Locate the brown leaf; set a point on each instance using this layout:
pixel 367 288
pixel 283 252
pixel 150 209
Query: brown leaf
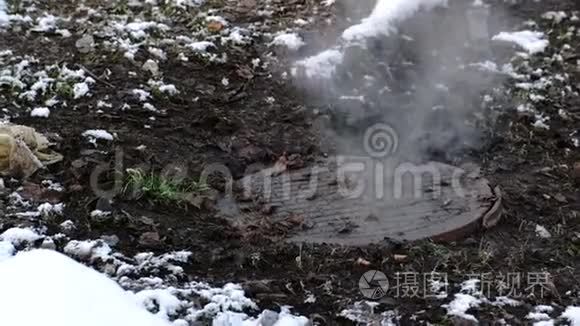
pixel 400 258
pixel 215 26
pixel 280 166
pixel 296 219
pixel 363 262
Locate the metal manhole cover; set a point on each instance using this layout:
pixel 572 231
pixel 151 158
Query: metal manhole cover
pixel 356 202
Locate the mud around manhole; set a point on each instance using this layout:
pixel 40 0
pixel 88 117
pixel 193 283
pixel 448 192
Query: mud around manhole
pixel 362 202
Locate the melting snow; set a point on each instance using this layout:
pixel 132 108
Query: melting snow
pixel 465 301
pixel 80 90
pixel 63 292
pixel 98 134
pixel 322 65
pixel 42 112
pixel 4 19
pixel 6 250
pixel 533 42
pixel 18 236
pixel 573 315
pixel 290 40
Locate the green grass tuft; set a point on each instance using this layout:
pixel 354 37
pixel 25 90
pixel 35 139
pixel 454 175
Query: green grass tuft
pixel 150 185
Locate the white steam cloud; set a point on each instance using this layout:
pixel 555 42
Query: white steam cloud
pixel 381 21
pixel 385 14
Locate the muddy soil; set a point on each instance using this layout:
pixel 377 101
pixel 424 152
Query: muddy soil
pixel 236 126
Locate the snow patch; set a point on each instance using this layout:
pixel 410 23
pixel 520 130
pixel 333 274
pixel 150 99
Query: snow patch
pixel 98 134
pixel 290 40
pixel 572 314
pixel 533 42
pixel 41 112
pixel 18 236
pixel 4 19
pixel 322 65
pixel 6 250
pixel 64 293
pixel 468 299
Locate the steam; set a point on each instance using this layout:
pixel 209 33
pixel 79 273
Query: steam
pixel 379 22
pixel 407 66
pixel 385 14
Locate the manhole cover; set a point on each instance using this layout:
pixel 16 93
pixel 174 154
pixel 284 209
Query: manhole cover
pixel 358 202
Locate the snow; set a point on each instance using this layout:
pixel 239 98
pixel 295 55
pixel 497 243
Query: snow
pixel 322 65
pixel 385 14
pixel 43 287
pixel 464 301
pixel 573 315
pixel 201 46
pixel 6 250
pixel 142 95
pixel 158 53
pixel 98 134
pixel 18 236
pixel 542 232
pixel 533 42
pixel 41 112
pixel 290 40
pixel 80 90
pixel 3 16
pixel 46 23
pixel 88 250
pixel 168 304
pixel 556 16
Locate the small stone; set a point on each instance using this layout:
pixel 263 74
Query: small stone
pixel 104 205
pixel 247 5
pixel 561 198
pixel 85 44
pixel 268 318
pixel 67 227
pixel 99 216
pixel 459 321
pixel 576 172
pixel 542 232
pixel 150 240
pixel 47 243
pixel 111 240
pixel 363 262
pixel 152 67
pixel 76 188
pixel 400 258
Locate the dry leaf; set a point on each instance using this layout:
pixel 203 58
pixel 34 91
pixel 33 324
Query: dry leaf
pixel 363 262
pixel 215 26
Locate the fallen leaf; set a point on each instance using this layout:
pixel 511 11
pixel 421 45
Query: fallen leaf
pixel 363 262
pixel 215 26
pixel 400 258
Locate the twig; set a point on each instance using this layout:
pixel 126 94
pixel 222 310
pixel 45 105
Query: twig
pixel 95 76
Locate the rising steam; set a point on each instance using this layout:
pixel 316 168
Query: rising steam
pixel 406 66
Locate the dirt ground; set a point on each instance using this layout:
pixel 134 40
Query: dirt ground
pixel 234 125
